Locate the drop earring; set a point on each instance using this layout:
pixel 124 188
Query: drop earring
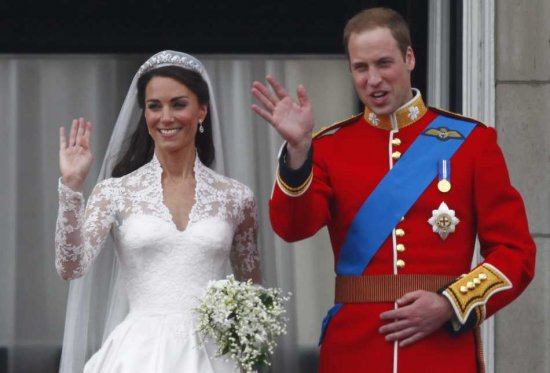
pixel 201 128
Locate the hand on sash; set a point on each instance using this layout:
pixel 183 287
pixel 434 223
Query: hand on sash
pixel 419 314
pixel 293 120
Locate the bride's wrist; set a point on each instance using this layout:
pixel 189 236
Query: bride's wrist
pixel 74 183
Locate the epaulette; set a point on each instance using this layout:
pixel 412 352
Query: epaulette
pixel 329 130
pixel 457 116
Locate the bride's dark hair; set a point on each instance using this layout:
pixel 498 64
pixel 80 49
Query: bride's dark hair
pixel 141 147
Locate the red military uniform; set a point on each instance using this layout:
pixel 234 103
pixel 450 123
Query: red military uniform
pixel 349 160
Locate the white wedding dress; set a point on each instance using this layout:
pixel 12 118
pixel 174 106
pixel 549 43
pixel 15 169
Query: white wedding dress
pixel 165 270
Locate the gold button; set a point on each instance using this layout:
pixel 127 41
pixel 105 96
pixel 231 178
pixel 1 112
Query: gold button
pixel 400 263
pixel 477 281
pixel 400 247
pixel 396 142
pixel 399 232
pixel 482 276
pixel 463 289
pixel 470 285
pixel 396 155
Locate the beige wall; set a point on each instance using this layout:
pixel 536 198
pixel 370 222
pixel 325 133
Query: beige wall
pixel 522 58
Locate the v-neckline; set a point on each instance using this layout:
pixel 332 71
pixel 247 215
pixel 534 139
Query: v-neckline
pixel 171 217
pixel 168 213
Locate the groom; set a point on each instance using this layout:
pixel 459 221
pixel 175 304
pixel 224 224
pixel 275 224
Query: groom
pixel 404 190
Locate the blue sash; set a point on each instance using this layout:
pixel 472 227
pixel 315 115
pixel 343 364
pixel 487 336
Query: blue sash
pixel 395 195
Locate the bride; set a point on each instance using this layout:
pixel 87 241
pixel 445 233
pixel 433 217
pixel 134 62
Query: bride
pixel 174 222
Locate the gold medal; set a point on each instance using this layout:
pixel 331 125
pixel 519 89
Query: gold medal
pixel 444 185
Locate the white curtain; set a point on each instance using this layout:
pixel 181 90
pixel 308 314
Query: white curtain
pixel 38 93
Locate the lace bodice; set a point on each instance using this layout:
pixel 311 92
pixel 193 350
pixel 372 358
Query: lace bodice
pixel 160 264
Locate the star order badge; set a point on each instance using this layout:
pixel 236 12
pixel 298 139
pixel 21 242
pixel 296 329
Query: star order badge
pixel 443 221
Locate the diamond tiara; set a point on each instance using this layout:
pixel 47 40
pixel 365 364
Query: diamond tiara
pixel 169 58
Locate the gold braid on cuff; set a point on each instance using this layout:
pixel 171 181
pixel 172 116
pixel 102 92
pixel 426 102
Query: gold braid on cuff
pixel 472 291
pixel 294 191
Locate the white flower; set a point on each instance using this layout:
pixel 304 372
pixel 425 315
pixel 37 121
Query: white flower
pixel 373 118
pixel 414 111
pixel 243 319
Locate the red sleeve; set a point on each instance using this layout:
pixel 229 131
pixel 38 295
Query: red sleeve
pixel 502 224
pixel 506 244
pixel 299 211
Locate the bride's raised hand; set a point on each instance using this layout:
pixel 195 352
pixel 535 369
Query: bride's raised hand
pixel 293 120
pixel 75 156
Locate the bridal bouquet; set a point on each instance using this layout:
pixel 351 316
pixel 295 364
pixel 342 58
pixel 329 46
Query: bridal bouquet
pixel 243 319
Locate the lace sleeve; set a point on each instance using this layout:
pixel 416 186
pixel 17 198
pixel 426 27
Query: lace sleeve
pixel 245 257
pixel 80 233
